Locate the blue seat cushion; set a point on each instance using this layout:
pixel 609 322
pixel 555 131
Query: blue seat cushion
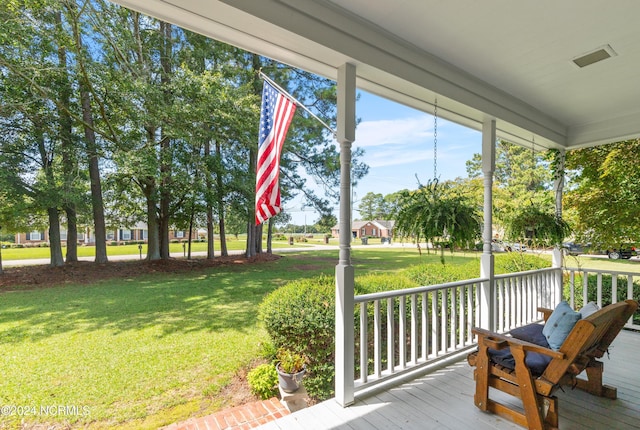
pixel 530 333
pixel 536 362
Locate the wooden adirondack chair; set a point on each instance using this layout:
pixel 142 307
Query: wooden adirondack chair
pixel 588 340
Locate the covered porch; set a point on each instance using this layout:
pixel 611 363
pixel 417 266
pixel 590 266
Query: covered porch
pixel 425 381
pixel 443 399
pixel 551 75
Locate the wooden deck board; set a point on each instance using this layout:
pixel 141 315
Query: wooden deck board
pixel 443 400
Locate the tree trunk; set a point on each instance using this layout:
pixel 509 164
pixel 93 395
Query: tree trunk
pixel 220 201
pixel 165 143
pixel 97 203
pixel 153 242
pixel 210 232
pixel 258 237
pixel 223 236
pixel 270 236
pixel 1 256
pixel 55 247
pixel 251 222
pixel 69 160
pixel 72 233
pixel 191 219
pixel 251 243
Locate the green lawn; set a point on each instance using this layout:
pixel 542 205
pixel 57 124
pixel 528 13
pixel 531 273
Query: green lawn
pixel 89 251
pixel 145 352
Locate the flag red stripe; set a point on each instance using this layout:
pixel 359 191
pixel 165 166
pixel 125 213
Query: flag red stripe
pixel 268 166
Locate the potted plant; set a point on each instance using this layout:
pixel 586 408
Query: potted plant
pixel 291 367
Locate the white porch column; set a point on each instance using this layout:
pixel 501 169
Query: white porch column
pixel 344 270
pixel 487 299
pixel 558 187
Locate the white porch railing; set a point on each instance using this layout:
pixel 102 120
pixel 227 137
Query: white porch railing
pixel 400 331
pixel 610 287
pixel 519 295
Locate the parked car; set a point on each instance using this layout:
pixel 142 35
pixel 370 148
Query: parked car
pixel 515 246
pixel 497 246
pixel 624 253
pixel 572 248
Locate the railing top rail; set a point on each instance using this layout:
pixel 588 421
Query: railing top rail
pixel 526 272
pixel 417 290
pixel 605 271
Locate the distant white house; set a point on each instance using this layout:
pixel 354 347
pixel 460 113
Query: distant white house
pixel 138 233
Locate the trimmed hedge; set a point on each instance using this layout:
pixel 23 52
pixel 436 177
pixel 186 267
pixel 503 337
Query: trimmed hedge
pixel 301 314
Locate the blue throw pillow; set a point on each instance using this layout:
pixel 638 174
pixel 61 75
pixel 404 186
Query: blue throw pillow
pixel 560 324
pixel 531 333
pixel 588 309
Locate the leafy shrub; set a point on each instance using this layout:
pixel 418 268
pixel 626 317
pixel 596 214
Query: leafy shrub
pixel 432 274
pixel 519 262
pixel 279 236
pixel 375 282
pixel 592 290
pixel 268 350
pixel 301 316
pixel 263 381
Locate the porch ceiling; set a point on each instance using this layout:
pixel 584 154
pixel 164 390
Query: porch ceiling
pixel 508 60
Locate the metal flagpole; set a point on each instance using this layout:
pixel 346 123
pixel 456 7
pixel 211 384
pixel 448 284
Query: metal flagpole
pixel 294 100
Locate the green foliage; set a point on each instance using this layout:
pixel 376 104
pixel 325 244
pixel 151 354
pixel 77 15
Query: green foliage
pixel 542 228
pixel 592 290
pixel 375 282
pixel 300 316
pixel 290 361
pixel 518 262
pixel 432 274
pixel 263 381
pixel 268 350
pixel 605 197
pixel 437 214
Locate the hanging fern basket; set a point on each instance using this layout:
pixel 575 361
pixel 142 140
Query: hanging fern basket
pixel 534 225
pixel 437 217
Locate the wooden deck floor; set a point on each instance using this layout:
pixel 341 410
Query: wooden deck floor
pixel 444 400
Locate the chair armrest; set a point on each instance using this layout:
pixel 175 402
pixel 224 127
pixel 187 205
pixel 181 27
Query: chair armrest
pixel 501 341
pixel 546 313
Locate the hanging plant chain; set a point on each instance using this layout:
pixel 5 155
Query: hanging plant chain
pixel 435 140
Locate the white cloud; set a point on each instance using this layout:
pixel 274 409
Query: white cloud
pixel 393 132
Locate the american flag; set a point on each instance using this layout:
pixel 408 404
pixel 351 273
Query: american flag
pixel 275 117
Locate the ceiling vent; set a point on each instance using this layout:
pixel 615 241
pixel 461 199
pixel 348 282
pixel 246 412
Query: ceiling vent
pixel 592 57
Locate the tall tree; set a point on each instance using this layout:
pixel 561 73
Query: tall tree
pixel 34 95
pixel 604 193
pixel 372 206
pixel 522 178
pixel 67 147
pixel 91 146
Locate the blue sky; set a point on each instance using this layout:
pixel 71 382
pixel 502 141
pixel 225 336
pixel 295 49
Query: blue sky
pixel 398 144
